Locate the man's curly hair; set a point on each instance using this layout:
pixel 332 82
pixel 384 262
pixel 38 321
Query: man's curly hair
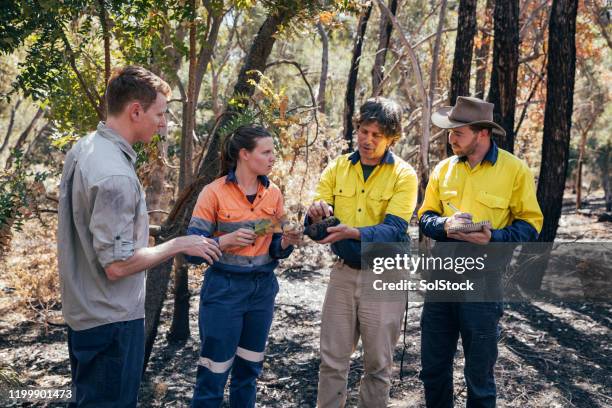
pixel 385 112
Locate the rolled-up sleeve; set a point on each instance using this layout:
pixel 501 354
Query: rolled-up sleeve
pixel 115 201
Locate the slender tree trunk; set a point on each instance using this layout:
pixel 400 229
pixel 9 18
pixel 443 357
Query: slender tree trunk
pixel 23 136
pixel 483 51
pixel 384 39
pixel 432 87
pixel 324 67
pixel 557 124
pixel 605 175
pixel 214 92
pixel 106 38
pixel 9 128
pixel 426 104
pixel 177 221
pixel 43 132
pixel 179 330
pixel 349 98
pixel 502 92
pixel 462 61
pixel 155 189
pixel 578 182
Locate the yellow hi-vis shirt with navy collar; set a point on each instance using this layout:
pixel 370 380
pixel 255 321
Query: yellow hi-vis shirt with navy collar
pixel 499 189
pixel 380 207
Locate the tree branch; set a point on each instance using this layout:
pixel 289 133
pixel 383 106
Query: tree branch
pixel 84 87
pixel 106 37
pixel 312 95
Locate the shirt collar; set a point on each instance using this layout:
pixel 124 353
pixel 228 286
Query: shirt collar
pixel 117 139
pixel 231 178
pixel 387 158
pixel 491 155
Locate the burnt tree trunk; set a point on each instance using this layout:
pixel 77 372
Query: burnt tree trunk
pixel 557 124
pixel 462 61
pixel 384 39
pixel 349 98
pixel 502 91
pixel 177 221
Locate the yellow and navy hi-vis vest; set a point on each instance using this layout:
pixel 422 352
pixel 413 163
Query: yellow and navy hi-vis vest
pixel 391 189
pixel 379 207
pixel 500 189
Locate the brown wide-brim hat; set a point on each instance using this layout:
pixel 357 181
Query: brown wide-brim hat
pixel 467 111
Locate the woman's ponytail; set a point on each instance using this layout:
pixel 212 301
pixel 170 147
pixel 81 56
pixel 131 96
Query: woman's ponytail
pixel 244 137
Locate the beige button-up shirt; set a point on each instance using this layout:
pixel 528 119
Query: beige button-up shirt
pixel 102 219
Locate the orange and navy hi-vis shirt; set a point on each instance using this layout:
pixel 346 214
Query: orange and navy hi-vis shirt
pixel 223 207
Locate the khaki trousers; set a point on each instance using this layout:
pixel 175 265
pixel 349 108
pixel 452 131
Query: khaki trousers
pixel 346 317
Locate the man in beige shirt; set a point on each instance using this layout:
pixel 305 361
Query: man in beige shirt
pixel 102 243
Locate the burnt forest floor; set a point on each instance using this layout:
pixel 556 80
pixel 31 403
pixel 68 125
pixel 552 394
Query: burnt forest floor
pixel 552 354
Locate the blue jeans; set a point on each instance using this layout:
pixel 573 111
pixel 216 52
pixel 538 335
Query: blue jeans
pixel 441 325
pixel 235 317
pixel 106 364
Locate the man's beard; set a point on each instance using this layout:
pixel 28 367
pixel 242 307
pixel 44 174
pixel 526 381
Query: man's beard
pixel 468 150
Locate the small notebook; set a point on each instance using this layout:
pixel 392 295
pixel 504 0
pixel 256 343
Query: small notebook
pixel 469 227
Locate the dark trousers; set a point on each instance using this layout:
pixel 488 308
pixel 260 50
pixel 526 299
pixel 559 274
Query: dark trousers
pixel 235 316
pixel 441 325
pixel 106 364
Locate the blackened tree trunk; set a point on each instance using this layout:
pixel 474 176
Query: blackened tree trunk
pixel 462 61
pixel 557 123
pixel 177 221
pixel 504 72
pixel 349 99
pixel 384 39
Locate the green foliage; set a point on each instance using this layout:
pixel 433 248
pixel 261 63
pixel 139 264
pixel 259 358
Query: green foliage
pixel 15 191
pixel 9 378
pixel 144 151
pixel 244 117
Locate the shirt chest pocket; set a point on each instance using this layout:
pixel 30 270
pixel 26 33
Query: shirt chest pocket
pixel 344 202
pixel 229 220
pixel 377 203
pixel 494 208
pixel 492 201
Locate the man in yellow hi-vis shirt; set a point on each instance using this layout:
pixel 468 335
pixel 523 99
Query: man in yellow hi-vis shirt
pixel 484 183
pixel 373 193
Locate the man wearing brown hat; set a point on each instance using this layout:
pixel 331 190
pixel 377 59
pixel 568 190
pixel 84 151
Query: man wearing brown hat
pixel 479 184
